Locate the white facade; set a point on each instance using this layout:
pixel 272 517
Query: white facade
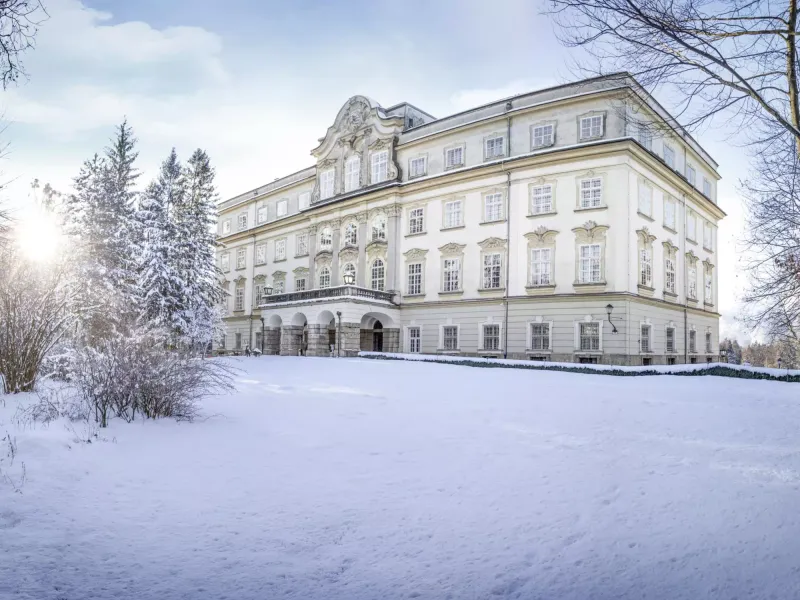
pixel 486 232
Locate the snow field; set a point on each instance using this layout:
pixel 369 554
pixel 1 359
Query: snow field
pixel 364 479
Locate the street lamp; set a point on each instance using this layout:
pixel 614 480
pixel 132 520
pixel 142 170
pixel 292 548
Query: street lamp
pixel 267 292
pixel 262 335
pixel 723 355
pixel 339 332
pixel 779 362
pixel 349 278
pixel 609 310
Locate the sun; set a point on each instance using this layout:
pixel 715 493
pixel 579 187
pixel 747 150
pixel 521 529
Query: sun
pixel 39 236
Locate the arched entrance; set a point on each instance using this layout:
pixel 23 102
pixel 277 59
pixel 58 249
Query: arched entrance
pixel 377 337
pixel 294 336
pixel 272 335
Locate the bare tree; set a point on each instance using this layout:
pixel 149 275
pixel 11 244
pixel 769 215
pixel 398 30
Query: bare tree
pixel 735 59
pixel 36 312
pixel 19 24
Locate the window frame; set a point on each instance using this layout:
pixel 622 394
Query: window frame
pixel 297 287
pixel 282 208
pixel 495 270
pixel 303 200
pixel 445 204
pixel 226 227
pixel 579 337
pixel 447 285
pixel 499 337
pixel 350 236
pixel 379 160
pixel 670 156
pixel 460 148
pixel 381 287
pixel 547 141
pixel 532 193
pixel 301 244
pixel 225 261
pixel 324 270
pixel 418 286
pixel 645 193
pixel 412 219
pixel 690 168
pixel 443 337
pixel 411 338
pixel 591 189
pixel 327 178
pixel 531 336
pixel 241 258
pixel 424 171
pixel 692 341
pixel 648 347
pixel 591 117
pixel 262 214
pixel 261 254
pixel 671 202
pixel 238 297
pixel 324 245
pixel 673 331
pixel 279 249
pixel 591 263
pixel 499 206
pixel 707 190
pixel 493 138
pixel 532 281
pixel 349 185
pixel 241 221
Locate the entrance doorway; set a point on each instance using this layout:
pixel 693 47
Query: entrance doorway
pixel 377 337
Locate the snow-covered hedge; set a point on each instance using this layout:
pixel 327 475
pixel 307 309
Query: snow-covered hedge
pixel 719 369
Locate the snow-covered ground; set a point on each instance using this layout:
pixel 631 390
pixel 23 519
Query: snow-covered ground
pixel 361 479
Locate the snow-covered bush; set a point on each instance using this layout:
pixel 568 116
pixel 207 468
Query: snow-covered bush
pixel 134 376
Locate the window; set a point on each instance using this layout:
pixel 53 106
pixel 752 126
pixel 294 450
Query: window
pixel 378 275
pixel 238 298
pixel 417 167
pixel 453 214
pixel 452 274
pixel 380 166
pixel 670 339
pixel 241 259
pixel 226 227
pixel 225 262
pixel 379 228
pixel 352 173
pixel 591 192
pixel 493 207
pixel 691 174
pixel 326 181
pixel 258 294
pixel 238 341
pixel 349 269
pixel 671 360
pixel 646 361
pixel 283 208
pixel 279 287
pixel 493 147
pixel 707 236
pixel 589 334
pixel 706 188
pixel 692 341
pixel 645 198
pixel 261 214
pixel 543 135
pixel 301 244
pixel 303 200
pixel 691 227
pixel 325 239
pixel 324 277
pixel 669 275
pixel 415 278
pixel 708 342
pixel 669 213
pixel 280 249
pixel 491 337
pixel 669 156
pixel 299 284
pixel 242 221
pixel 450 337
pixel 541 266
pixel 222 342
pixel 454 157
pixel 491 270
pixel 351 234
pixel 413 340
pixel 540 336
pixel 541 199
pixel 645 136
pixel 693 282
pixel 591 127
pixel 261 254
pixel 709 295
pixel 646 267
pixel 644 340
pixel 589 263
pixel 416 220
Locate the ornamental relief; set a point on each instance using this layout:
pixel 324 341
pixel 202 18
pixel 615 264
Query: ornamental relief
pixel 259 278
pixel 645 237
pixel 493 243
pixel 540 237
pixel 300 271
pixel 691 258
pixel 347 254
pixel 278 275
pixel 376 250
pixel 415 254
pixel 707 265
pixel 323 260
pixel 452 249
pixel 590 232
pixel 670 248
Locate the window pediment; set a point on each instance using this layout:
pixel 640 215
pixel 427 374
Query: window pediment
pixel 299 271
pixel 590 232
pixel 415 254
pixel 452 249
pixel 493 243
pixel 541 236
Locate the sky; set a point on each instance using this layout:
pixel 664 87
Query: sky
pixel 257 82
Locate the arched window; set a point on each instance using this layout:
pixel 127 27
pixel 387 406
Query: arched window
pixel 378 275
pixel 379 228
pixel 349 269
pixel 324 277
pixel 325 239
pixel 351 235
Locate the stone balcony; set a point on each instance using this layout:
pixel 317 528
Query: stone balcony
pixel 337 293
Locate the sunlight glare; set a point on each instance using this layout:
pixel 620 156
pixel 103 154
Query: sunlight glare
pixel 39 236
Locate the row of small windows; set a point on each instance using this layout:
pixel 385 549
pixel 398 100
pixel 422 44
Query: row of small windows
pixel 645 207
pixel 379 172
pixel 281 210
pixel 588 338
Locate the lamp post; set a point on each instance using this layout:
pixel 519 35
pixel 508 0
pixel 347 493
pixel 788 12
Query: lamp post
pixel 339 334
pixel 262 335
pixel 609 310
pixel 779 362
pixel 723 354
pixel 267 292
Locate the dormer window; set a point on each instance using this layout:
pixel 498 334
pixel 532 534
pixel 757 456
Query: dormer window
pixel 454 157
pixel 591 127
pixel 380 166
pixel 352 173
pixel 326 180
pixel 493 147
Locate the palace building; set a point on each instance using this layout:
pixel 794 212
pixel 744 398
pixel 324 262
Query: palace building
pixel 576 223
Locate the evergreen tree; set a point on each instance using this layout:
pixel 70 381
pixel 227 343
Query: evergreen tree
pixel 160 288
pixel 194 220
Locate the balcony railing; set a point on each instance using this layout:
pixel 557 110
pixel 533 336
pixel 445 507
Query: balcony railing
pixel 340 291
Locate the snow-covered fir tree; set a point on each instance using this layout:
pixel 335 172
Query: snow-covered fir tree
pixel 160 287
pixel 194 220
